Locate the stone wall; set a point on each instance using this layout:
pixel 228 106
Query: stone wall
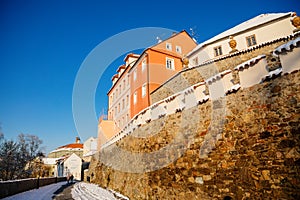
pixel 245 145
pixel 8 188
pixel 192 76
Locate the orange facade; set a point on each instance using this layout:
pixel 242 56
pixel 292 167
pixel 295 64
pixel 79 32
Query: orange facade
pixel 142 74
pixel 155 66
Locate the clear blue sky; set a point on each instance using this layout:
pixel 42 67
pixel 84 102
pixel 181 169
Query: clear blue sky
pixel 43 44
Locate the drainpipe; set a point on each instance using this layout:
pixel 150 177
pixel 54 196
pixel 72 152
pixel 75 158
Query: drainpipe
pixel 148 74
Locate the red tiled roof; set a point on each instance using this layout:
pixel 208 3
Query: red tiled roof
pixel 74 145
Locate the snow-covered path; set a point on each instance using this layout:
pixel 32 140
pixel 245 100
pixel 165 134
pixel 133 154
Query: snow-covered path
pixel 87 191
pixel 80 191
pixel 43 193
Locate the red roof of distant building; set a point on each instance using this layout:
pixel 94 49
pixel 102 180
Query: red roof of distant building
pixel 74 145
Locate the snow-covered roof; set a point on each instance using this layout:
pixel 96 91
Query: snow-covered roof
pixel 90 153
pixel 50 161
pixel 287 46
pixel 256 21
pixel 217 76
pixel 250 62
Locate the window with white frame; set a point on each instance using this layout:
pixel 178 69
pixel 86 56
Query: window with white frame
pixel 218 51
pixel 144 63
pixel 251 40
pixel 144 90
pixel 169 46
pixel 178 49
pixel 134 75
pixel 170 63
pixel 135 97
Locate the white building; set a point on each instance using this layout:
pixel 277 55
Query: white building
pixel 89 148
pixel 70 165
pixel 256 31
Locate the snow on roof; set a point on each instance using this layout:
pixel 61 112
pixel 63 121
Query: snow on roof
pixel 217 76
pixel 49 161
pixel 90 153
pixel 256 21
pixel 249 63
pixel 287 46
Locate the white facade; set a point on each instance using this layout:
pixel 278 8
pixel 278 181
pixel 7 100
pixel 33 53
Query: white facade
pixel 119 95
pixel 89 146
pixel 264 28
pixel 73 165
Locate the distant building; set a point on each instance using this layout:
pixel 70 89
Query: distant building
pixel 70 165
pixel 89 148
pixel 256 31
pixel 67 150
pixel 50 164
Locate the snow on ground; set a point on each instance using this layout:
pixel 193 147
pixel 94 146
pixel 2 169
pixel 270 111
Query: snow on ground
pixel 87 191
pixel 43 193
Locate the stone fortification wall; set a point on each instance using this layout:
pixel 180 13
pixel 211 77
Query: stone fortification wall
pixel 244 145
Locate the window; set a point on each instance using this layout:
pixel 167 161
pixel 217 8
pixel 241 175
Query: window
pixel 178 49
pixel 134 75
pixel 127 100
pixel 169 46
pixel 120 88
pixel 251 41
pixel 218 51
pixel 195 61
pixel 115 110
pixel 144 64
pixel 135 97
pixel 127 79
pixel 170 63
pixel 123 84
pixel 119 107
pixel 144 90
pixel 123 103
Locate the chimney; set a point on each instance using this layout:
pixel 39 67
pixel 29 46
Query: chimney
pixel 77 140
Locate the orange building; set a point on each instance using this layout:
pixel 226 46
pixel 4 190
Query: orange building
pixel 155 66
pixel 141 74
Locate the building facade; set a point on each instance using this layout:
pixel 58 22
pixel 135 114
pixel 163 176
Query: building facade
pixel 251 33
pixel 155 66
pixel 138 77
pixel 67 150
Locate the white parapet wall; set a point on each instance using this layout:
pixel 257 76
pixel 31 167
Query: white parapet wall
pixel 174 103
pixel 158 110
pixel 252 71
pixel 220 84
pixel 289 55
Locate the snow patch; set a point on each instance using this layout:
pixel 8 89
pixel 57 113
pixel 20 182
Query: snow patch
pixel 86 191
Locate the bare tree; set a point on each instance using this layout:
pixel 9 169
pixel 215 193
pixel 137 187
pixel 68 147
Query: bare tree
pixel 16 158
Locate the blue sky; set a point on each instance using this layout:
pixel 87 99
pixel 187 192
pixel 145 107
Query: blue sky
pixel 43 44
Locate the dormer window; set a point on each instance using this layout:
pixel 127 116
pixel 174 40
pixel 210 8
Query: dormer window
pixel 169 46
